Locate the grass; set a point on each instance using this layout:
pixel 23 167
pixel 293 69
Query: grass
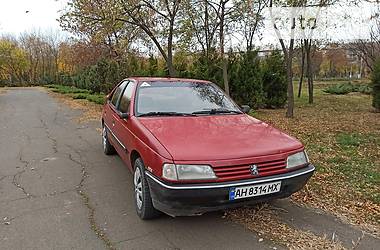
pixel 348 87
pixel 67 89
pixel 77 93
pixel 342 137
pixel 360 170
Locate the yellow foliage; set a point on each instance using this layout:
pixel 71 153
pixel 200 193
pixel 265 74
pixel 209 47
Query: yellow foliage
pixel 13 60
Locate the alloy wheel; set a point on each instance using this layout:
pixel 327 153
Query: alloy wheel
pixel 104 134
pixel 138 188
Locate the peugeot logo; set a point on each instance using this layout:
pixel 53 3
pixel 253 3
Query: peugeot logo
pixel 254 169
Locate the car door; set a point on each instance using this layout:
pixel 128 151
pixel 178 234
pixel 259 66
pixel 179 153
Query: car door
pixel 110 113
pixel 123 127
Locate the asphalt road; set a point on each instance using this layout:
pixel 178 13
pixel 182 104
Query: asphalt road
pixel 59 191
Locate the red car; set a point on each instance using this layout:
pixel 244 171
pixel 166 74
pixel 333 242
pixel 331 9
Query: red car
pixel 193 150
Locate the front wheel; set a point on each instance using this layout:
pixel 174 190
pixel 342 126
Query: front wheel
pixel 143 200
pixel 107 147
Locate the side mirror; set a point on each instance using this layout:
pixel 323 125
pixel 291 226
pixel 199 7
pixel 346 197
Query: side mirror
pixel 123 115
pixel 245 108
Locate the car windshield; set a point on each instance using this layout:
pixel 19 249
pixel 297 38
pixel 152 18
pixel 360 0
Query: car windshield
pixel 182 98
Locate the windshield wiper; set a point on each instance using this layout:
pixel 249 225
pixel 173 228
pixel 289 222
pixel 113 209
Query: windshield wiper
pixel 166 114
pixel 216 111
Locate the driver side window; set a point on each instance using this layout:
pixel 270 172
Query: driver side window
pixel 116 93
pixel 125 99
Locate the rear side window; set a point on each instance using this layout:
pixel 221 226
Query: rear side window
pixel 116 94
pixel 125 100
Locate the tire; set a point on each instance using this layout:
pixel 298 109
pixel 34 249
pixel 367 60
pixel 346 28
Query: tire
pixel 108 149
pixel 143 200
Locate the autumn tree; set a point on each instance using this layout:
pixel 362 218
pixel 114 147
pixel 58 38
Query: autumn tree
pixel 288 45
pixel 199 25
pixel 227 15
pixel 288 51
pixel 76 55
pixel 97 22
pixel 158 20
pixel 368 49
pixel 309 44
pixel 250 19
pixel 13 61
pixel 42 53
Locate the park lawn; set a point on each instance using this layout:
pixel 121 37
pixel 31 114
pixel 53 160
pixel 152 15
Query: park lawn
pixel 342 138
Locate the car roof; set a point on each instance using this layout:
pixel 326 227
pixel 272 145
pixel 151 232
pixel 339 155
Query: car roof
pixel 166 79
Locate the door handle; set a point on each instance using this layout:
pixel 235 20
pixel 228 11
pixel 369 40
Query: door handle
pixel 113 123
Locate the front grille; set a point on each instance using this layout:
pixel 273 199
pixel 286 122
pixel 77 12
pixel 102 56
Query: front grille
pixel 265 168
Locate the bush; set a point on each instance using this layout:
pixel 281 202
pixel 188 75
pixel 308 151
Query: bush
pixel 80 96
pixel 340 89
pixel 67 89
pixel 47 79
pixel 376 85
pixel 206 68
pixel 77 93
pixel 99 99
pixel 274 81
pixel 364 89
pixel 245 82
pixel 345 88
pixel 253 81
pixel 98 78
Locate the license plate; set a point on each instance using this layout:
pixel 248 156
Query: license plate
pixel 256 190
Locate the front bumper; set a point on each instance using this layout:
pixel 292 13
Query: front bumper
pixel 195 199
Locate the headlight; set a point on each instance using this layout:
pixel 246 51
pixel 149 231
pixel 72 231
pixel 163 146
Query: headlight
pixel 297 160
pixel 169 172
pixel 187 172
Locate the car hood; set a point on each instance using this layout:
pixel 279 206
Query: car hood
pixel 218 137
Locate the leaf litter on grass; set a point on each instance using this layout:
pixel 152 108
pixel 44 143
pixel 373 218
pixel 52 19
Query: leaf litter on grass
pixel 346 182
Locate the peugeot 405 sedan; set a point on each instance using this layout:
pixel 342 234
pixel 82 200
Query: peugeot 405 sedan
pixel 191 149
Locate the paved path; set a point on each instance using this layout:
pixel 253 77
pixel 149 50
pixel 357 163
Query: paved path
pixel 59 191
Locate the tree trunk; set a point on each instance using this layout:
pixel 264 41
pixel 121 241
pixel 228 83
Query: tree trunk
pixel 224 59
pixel 169 60
pixel 169 63
pixel 225 76
pixel 290 110
pixel 206 31
pixel 289 64
pixel 302 70
pixel 309 71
